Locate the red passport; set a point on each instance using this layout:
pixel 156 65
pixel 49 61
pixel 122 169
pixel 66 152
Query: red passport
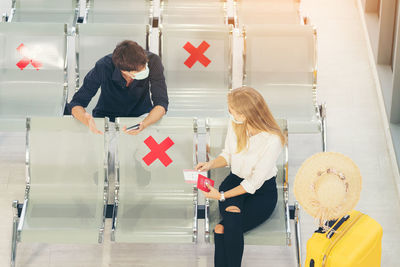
pixel 202 181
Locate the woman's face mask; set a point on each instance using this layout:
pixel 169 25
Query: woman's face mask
pixel 233 119
pixel 141 75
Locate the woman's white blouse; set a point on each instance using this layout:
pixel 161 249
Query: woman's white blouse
pixel 256 164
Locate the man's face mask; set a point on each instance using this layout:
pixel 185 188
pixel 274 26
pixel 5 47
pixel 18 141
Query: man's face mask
pixel 233 119
pixel 141 75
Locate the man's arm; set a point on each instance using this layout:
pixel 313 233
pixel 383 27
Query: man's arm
pixel 155 115
pixel 158 87
pixel 82 98
pixel 89 88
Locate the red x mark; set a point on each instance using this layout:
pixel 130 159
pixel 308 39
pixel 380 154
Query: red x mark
pixel 197 54
pixel 25 61
pixel 158 151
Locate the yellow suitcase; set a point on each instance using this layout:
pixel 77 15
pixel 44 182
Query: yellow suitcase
pixel 354 241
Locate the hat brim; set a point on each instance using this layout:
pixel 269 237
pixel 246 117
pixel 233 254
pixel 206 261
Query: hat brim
pixel 308 174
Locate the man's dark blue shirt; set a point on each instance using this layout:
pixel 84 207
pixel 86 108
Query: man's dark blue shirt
pixel 118 100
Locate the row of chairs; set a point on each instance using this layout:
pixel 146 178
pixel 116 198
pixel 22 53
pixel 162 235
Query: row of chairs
pixel 156 206
pixel 280 61
pixel 66 196
pixel 165 11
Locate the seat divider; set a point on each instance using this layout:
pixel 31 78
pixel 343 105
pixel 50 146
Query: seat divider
pixel 201 156
pixel 116 185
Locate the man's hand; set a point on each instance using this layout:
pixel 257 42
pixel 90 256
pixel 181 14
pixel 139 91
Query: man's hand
pixel 81 115
pixel 134 132
pixel 91 124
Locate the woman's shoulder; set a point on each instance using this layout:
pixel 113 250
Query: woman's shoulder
pixel 270 138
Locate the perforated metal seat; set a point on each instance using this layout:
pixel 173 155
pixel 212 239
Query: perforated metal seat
pixel 119 11
pixel 197 61
pixel 33 77
pixel 65 199
pixel 188 12
pixel 289 81
pixel 61 11
pixel 153 204
pixel 270 12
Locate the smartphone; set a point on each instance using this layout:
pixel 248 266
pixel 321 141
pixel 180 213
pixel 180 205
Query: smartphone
pixel 134 127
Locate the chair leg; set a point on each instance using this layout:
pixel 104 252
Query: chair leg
pixel 298 234
pixel 14 234
pixel 322 112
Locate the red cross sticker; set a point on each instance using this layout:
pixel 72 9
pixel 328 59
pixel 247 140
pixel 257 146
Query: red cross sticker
pixel 158 151
pixel 25 61
pixel 197 54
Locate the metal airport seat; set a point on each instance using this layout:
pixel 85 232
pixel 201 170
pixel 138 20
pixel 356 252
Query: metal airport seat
pixel 119 11
pixel 276 231
pixel 191 2
pixel 289 80
pixel 62 11
pixel 198 68
pixel 66 183
pixel 294 2
pixel 193 12
pixel 153 204
pixel 290 51
pixel 33 77
pixel 95 40
pixel 268 13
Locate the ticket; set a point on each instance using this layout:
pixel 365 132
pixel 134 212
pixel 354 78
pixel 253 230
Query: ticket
pixel 191 176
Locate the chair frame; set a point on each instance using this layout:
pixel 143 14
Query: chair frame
pixel 19 216
pixel 65 68
pixel 320 109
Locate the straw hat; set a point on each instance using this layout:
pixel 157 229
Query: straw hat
pixel 328 185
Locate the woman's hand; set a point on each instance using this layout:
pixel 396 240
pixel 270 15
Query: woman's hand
pixel 204 166
pixel 214 194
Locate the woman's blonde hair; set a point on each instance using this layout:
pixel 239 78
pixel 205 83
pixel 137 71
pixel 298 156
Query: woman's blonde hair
pixel 251 104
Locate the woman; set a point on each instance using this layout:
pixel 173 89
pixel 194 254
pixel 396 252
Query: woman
pixel 248 195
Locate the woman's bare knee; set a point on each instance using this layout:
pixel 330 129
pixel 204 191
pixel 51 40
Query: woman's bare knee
pixel 219 229
pixel 233 209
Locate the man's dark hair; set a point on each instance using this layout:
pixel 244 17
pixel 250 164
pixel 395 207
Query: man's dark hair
pixel 129 56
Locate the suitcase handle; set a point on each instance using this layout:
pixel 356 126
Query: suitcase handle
pixel 336 226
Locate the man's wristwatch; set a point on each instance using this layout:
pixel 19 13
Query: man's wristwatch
pixel 222 198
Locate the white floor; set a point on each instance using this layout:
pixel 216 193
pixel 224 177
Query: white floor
pixel 355 128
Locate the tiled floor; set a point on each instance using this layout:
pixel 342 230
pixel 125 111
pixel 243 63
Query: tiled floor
pixel 354 128
pixel 354 122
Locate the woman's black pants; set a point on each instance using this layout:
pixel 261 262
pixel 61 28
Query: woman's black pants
pixel 254 210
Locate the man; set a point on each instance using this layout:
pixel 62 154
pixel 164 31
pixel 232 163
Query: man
pixel 126 77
